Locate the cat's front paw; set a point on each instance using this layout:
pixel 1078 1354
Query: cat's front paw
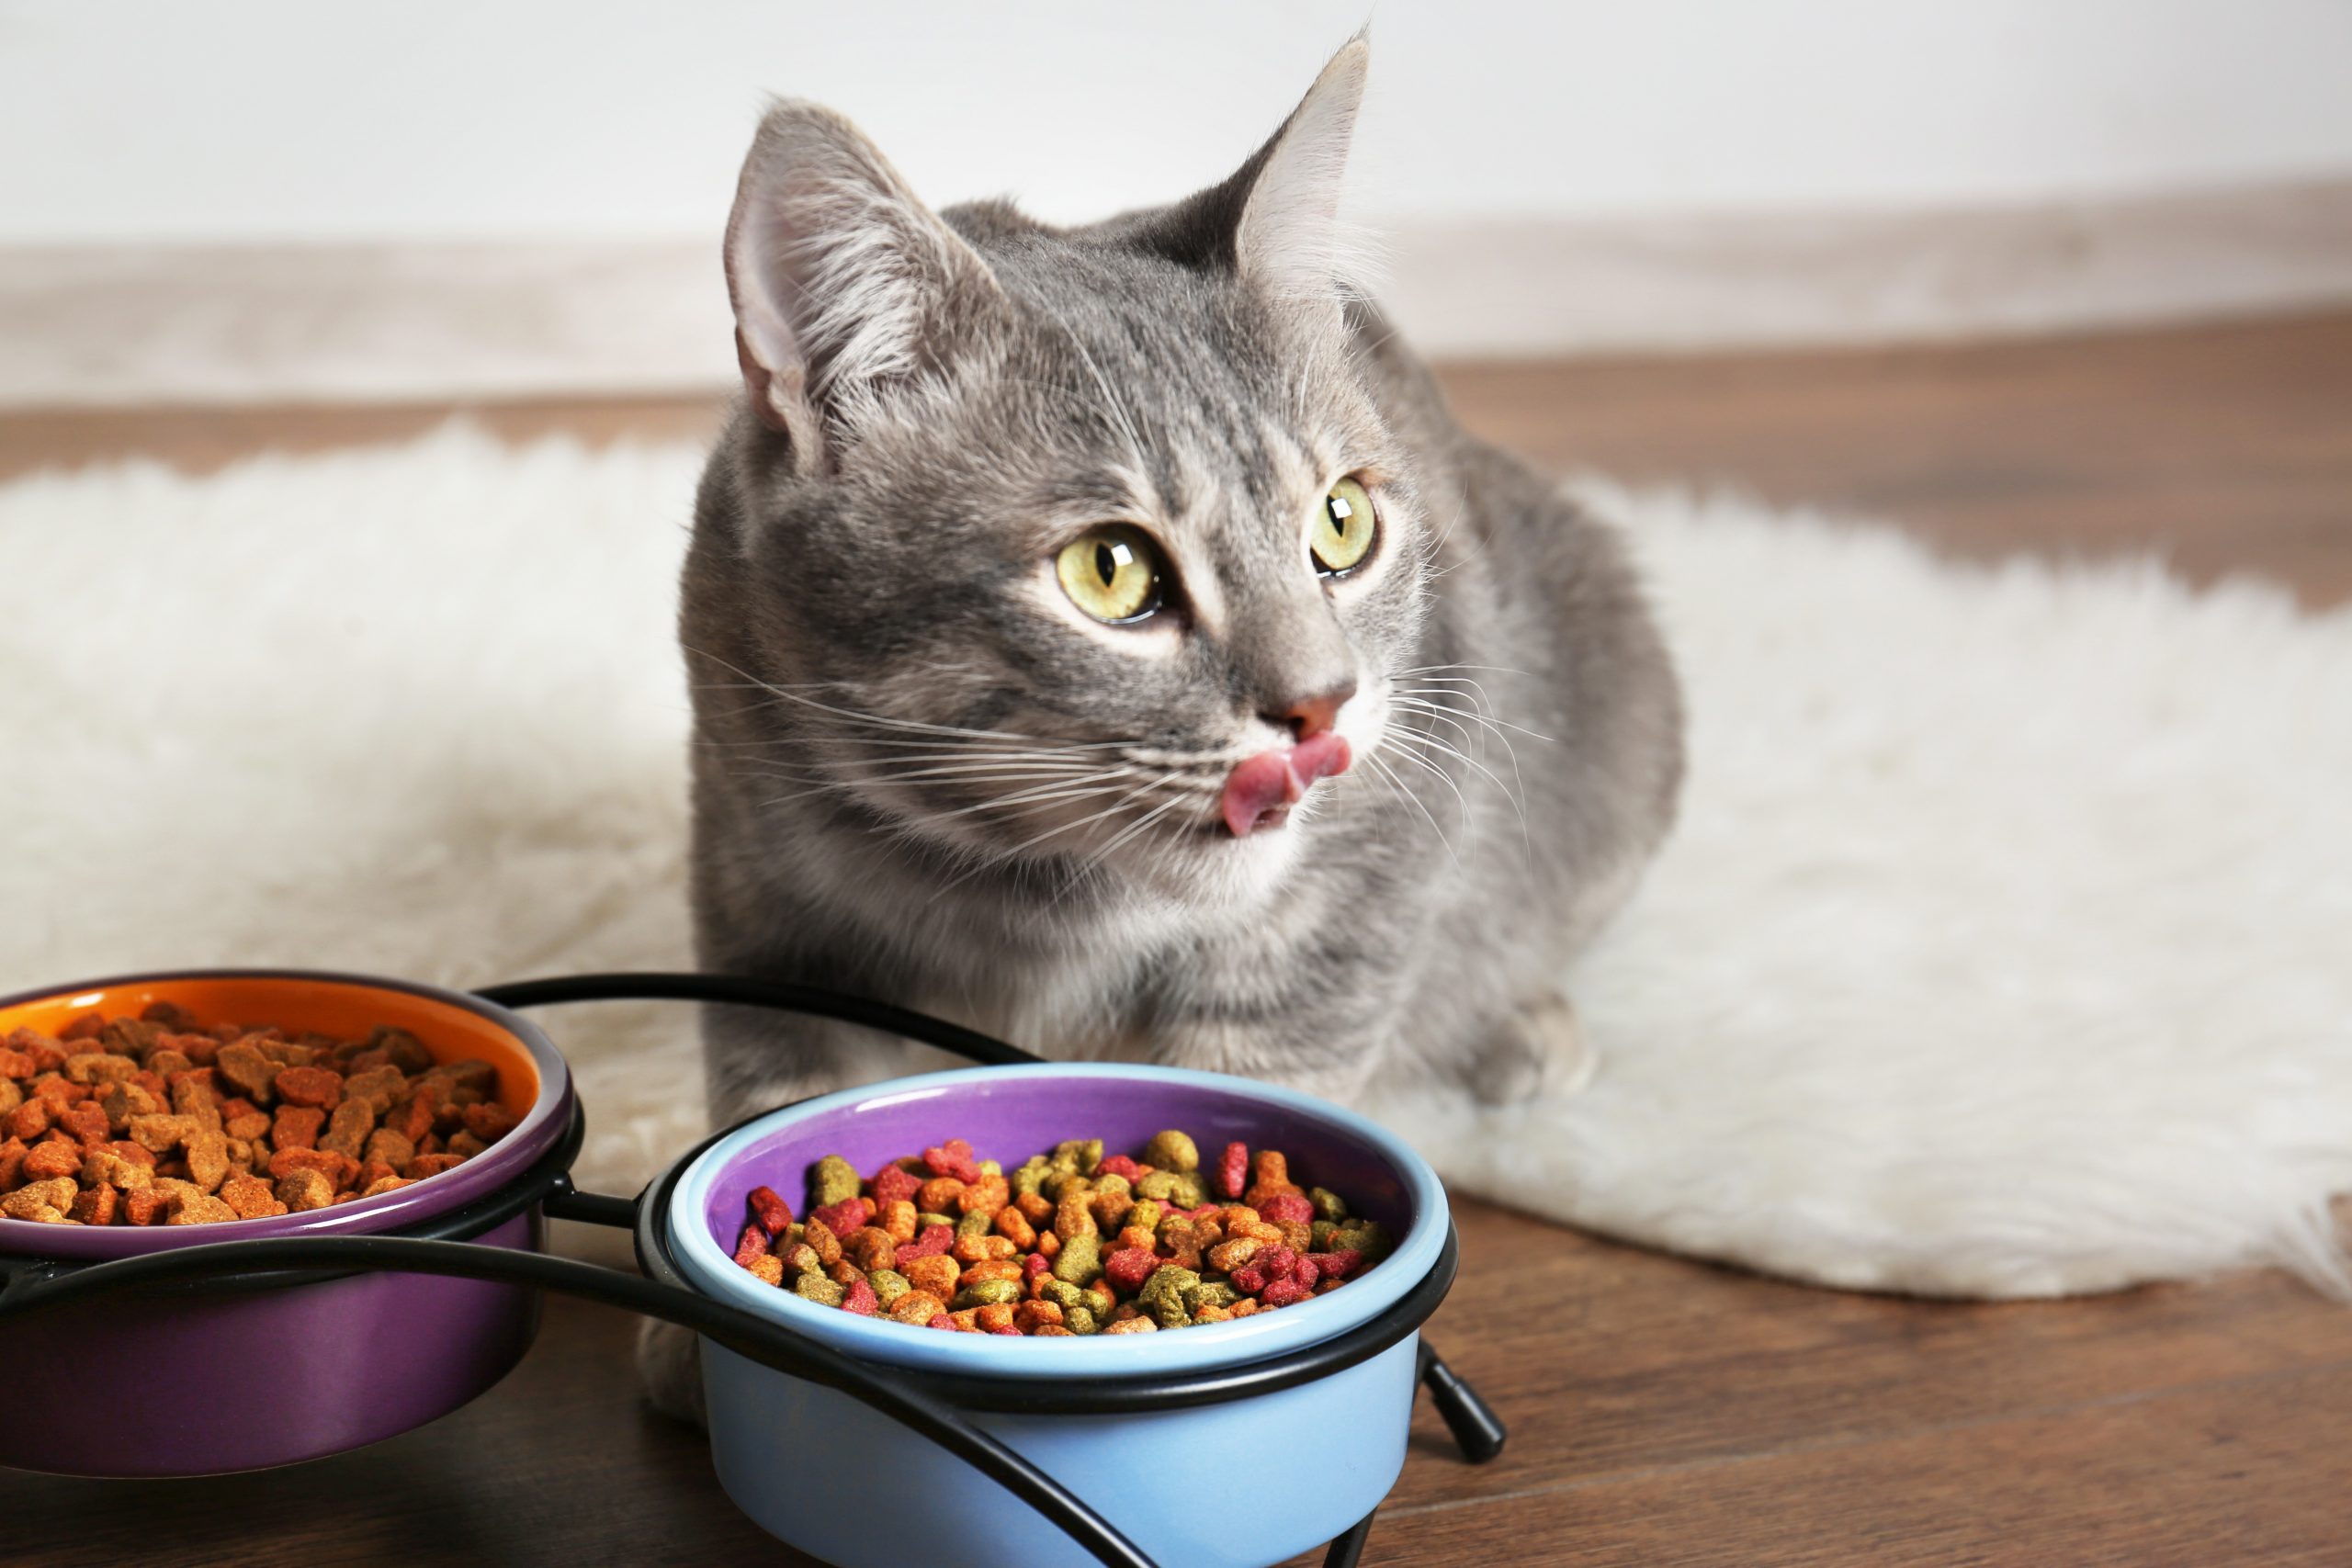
pixel 669 1361
pixel 1539 1051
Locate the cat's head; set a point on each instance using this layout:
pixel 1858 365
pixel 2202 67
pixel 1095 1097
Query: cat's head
pixel 1085 548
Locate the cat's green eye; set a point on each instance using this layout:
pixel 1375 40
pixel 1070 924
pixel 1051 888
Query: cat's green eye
pixel 1111 572
pixel 1343 533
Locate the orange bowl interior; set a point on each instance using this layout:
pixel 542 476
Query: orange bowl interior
pixel 295 1003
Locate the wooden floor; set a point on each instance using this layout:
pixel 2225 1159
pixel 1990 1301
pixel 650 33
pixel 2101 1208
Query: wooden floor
pixel 1662 1412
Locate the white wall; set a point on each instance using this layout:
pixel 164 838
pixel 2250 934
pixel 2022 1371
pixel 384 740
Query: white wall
pixel 144 120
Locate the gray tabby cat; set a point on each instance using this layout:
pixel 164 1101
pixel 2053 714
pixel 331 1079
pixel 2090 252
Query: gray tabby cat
pixel 1105 639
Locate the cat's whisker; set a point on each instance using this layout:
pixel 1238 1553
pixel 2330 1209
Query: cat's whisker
pixel 788 695
pixel 1397 786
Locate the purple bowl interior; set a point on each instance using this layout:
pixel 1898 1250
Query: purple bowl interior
pixel 1010 1120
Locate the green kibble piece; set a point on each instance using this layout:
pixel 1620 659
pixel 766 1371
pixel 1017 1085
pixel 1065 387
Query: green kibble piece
pixel 835 1180
pixel 1062 1293
pixel 1078 1320
pixel 1364 1236
pixel 925 1222
pixel 1097 1300
pixel 1145 1215
pixel 988 1292
pixel 1077 1156
pixel 1210 1292
pixel 1328 1205
pixel 888 1286
pixel 1319 1236
pixel 1030 1175
pixel 813 1286
pixel 1172 1150
pixel 1113 1182
pixel 1163 1296
pixel 1080 1260
pixel 990 1168
pixel 976 1223
pixel 1178 1189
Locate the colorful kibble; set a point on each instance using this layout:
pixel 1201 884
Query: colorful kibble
pixel 157 1120
pixel 1070 1243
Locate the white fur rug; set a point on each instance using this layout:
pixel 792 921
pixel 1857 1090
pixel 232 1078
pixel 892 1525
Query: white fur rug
pixel 2005 948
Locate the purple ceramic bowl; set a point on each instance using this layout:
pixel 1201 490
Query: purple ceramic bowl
pixel 210 1379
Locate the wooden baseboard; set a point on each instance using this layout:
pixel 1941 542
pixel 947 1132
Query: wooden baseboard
pixel 388 323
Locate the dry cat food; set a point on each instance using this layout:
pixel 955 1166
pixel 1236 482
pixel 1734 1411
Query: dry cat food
pixel 157 1120
pixel 1069 1243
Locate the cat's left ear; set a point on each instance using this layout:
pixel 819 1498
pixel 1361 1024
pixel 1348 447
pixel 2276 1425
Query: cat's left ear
pixel 1289 240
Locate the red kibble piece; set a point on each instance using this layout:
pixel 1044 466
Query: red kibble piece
pixel 849 1215
pixel 935 1240
pixel 1304 1273
pixel 941 1320
pixel 1276 1261
pixel 893 1183
pixel 1282 1292
pixel 1233 1170
pixel 769 1210
pixel 1008 1328
pixel 861 1299
pixel 1035 1266
pixel 1336 1265
pixel 1283 1206
pixel 1120 1165
pixel 1250 1278
pixel 954 1158
pixel 1130 1266
pixel 752 1246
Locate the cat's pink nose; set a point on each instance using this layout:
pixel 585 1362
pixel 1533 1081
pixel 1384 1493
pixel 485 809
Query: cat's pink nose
pixel 1260 792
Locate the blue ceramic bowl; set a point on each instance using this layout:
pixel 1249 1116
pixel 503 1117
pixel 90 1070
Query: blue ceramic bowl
pixel 821 1472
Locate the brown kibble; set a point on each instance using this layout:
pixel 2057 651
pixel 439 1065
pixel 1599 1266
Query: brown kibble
pixel 489 1120
pixel 251 1197
pixel 124 1101
pixel 94 1206
pixel 99 1067
pixel 348 1128
pixel 241 1063
pixel 159 1134
pixel 198 1209
pixel 424 1165
pixel 170 1014
pixel 304 1190
pixel 321 1087
pixel 338 1168
pixel 43 1201
pixel 465 1146
pixel 12 1162
pixel 388 1146
pixel 192 1097
pixel 45 1162
pixel 384 1184
pixel 29 1120
pixel 769 1268
pixel 208 1159
pixel 296 1126
pixel 379 1087
pixel 145 1206
pixel 86 1124
pixel 251 1125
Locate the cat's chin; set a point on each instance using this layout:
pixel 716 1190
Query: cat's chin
pixel 1210 866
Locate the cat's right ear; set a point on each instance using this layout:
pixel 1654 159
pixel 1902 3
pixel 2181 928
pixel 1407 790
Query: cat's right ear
pixel 843 282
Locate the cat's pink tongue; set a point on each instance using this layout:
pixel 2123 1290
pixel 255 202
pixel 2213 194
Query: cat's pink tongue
pixel 1260 792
